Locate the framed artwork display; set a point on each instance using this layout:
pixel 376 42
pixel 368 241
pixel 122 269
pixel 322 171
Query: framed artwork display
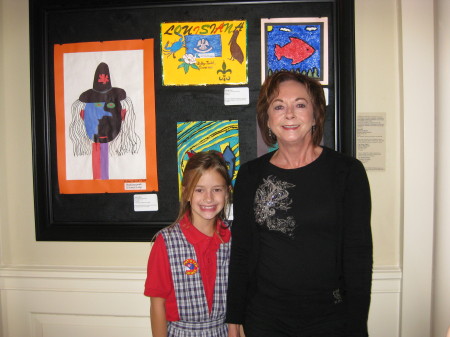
pixel 123 92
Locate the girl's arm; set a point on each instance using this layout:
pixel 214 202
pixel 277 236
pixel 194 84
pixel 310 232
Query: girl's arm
pixel 158 316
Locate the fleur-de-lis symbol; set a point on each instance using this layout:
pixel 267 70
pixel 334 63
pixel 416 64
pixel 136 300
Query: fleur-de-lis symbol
pixel 224 71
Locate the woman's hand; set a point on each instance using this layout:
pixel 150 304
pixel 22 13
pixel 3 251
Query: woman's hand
pixel 234 330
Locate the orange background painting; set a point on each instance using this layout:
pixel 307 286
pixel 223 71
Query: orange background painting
pixel 148 181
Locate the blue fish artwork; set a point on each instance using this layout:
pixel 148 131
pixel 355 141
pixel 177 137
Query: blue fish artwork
pixel 295 47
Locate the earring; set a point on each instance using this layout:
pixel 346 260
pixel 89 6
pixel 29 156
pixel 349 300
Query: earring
pixel 313 128
pixel 270 133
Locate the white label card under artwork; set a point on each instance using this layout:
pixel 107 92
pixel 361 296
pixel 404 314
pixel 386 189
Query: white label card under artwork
pixel 145 202
pixel 236 96
pixel 135 186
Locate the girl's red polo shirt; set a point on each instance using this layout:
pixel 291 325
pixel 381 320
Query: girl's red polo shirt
pixel 159 278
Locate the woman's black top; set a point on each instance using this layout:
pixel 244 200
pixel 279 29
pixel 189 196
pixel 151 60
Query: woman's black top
pixel 301 239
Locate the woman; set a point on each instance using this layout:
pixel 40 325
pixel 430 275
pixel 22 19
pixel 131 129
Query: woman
pixel 301 256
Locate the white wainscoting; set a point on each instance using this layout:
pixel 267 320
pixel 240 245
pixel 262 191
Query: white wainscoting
pixel 96 302
pixel 384 316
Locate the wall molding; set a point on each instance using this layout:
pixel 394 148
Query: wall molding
pixel 69 279
pixel 53 278
pixel 52 301
pixel 386 279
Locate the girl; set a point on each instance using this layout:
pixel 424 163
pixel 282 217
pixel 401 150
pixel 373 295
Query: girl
pixel 188 265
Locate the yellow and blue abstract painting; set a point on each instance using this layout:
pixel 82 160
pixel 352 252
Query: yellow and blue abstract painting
pixel 197 136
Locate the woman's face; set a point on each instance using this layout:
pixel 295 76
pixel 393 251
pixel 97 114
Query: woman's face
pixel 291 115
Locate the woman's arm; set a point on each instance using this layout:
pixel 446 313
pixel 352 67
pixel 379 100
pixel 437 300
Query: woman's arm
pixel 158 316
pixel 242 245
pixel 357 249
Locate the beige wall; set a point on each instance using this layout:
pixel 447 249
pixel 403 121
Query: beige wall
pixel 377 91
pixel 441 276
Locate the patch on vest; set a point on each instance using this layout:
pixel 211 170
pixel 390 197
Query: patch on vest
pixel 190 266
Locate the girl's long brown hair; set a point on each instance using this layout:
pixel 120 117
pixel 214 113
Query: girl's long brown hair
pixel 195 167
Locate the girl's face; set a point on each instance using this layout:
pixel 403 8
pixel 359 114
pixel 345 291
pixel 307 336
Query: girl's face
pixel 291 114
pixel 208 198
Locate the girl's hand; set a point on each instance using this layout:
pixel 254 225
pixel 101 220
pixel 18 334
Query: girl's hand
pixel 234 330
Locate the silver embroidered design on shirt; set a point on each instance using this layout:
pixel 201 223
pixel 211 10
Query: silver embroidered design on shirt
pixel 272 196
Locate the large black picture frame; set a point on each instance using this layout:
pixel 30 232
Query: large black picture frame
pixel 76 217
